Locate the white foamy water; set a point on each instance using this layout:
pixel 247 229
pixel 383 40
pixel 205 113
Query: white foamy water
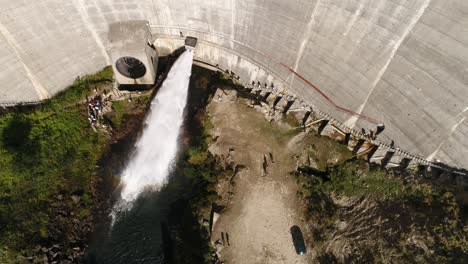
pixel 157 147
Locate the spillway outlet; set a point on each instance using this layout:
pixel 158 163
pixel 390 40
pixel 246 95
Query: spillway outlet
pixel 190 43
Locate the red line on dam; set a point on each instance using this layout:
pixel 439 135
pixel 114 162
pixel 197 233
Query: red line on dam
pixel 336 106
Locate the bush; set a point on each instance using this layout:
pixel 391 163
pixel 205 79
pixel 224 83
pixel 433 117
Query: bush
pixel 433 214
pixel 197 156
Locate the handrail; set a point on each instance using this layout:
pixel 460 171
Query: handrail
pixel 17 103
pixel 326 97
pixel 380 144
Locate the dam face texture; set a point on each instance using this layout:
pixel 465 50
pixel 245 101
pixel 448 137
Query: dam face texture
pixel 402 63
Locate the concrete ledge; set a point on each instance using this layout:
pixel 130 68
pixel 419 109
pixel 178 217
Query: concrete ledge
pixel 375 151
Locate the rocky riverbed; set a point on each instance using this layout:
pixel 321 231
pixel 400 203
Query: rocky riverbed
pixel 349 210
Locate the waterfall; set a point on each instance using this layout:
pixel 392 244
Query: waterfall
pixel 157 147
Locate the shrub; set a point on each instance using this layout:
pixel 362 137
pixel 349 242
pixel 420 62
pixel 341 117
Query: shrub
pixel 47 151
pixel 197 156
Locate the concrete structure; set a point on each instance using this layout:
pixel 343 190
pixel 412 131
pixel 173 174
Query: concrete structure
pixel 402 63
pixel 132 40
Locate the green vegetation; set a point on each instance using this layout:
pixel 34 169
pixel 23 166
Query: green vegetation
pixel 117 115
pixel 46 154
pixel 197 156
pixel 328 153
pixel 123 109
pixel 355 179
pixel 196 175
pixel 201 172
pixel 431 213
pixel 78 91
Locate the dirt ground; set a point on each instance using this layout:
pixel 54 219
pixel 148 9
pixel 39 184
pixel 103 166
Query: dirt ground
pixel 262 206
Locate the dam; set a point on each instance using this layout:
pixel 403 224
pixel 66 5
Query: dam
pixel 363 62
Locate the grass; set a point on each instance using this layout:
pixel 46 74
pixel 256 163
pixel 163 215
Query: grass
pixel 78 90
pixel 118 112
pixel 123 108
pixel 327 152
pixel 355 179
pixel 43 153
pixel 433 214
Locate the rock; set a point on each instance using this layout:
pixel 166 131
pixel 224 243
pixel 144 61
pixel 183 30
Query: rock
pixel 215 219
pixel 313 163
pixel 341 225
pixel 218 245
pixel 76 198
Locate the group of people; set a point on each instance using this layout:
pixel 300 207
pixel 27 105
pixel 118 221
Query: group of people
pixel 95 106
pixel 259 85
pixel 373 133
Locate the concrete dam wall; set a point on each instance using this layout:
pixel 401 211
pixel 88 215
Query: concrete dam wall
pixel 398 62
